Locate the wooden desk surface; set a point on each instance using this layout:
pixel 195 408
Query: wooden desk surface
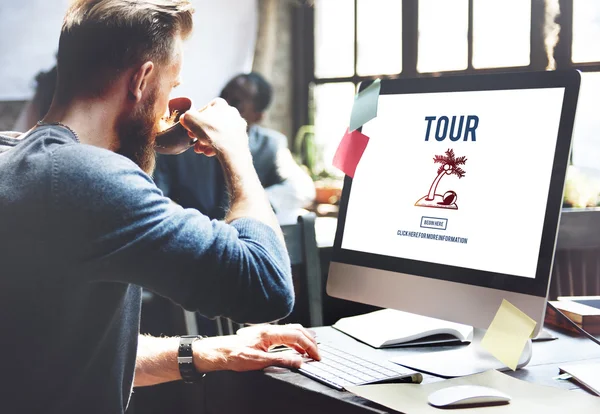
pixel 279 390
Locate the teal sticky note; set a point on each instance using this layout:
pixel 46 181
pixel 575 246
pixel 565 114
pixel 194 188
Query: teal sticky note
pixel 365 105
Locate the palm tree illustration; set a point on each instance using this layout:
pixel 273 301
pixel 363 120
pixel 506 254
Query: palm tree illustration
pixel 450 165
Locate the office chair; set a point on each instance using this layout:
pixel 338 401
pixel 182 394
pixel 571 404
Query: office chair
pixel 301 242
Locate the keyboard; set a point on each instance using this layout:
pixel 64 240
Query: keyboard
pixel 340 369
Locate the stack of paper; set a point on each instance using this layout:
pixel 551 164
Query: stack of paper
pixel 587 374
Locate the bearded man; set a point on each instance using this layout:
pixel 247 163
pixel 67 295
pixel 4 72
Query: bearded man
pixel 84 228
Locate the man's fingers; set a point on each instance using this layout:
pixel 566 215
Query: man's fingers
pixel 297 348
pixel 218 101
pixel 281 359
pixel 300 342
pixel 253 359
pixel 306 335
pixel 310 347
pixel 193 121
pixel 294 335
pixel 307 332
pixel 208 150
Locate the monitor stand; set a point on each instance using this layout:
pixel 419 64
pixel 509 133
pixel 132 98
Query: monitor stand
pixel 458 362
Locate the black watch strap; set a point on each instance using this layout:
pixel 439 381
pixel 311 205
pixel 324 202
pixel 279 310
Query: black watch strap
pixel 185 359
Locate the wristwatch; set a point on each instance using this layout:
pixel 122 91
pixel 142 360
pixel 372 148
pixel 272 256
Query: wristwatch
pixel 185 359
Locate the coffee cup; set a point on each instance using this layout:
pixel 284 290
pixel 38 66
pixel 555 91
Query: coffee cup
pixel 175 139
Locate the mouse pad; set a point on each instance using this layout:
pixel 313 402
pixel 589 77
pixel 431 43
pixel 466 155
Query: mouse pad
pixel 526 397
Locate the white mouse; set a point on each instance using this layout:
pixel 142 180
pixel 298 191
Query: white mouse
pixel 467 395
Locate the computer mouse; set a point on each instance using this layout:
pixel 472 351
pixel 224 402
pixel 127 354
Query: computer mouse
pixel 461 395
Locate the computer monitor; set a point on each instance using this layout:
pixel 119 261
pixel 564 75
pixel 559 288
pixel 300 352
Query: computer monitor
pixel 456 201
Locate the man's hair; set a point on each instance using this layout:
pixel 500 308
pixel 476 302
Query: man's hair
pixel 102 38
pixel 262 93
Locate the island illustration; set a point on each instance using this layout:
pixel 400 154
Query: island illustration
pixel 450 165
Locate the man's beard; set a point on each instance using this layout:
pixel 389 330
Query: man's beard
pixel 137 135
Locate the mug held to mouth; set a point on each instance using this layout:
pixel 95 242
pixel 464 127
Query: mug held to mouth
pixel 175 139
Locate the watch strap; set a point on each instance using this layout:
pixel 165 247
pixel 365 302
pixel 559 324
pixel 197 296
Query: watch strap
pixel 185 359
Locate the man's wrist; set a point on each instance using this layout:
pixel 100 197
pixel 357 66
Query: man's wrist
pixel 206 355
pixel 185 359
pixel 240 175
pixel 238 157
pixel 236 163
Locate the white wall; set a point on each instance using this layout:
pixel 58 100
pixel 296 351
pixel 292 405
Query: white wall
pixel 29 31
pixel 222 45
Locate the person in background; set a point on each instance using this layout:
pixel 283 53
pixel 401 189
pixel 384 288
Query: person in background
pixel 38 106
pixel 288 187
pixel 84 227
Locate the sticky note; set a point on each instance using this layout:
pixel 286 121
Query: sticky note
pixel 349 152
pixel 365 105
pixel 508 333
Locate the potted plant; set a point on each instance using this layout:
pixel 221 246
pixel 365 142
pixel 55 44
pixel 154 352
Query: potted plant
pixel 308 153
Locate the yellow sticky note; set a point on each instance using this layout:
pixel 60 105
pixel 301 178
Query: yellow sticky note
pixel 508 333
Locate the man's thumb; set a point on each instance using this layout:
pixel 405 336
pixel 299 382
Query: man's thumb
pixel 194 122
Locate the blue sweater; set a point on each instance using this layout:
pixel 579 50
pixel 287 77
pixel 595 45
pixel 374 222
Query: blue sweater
pixel 81 230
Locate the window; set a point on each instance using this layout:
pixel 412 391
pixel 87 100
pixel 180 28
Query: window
pixel 585 55
pixel 443 29
pixel 333 103
pixel 586 134
pixel 379 37
pixel 356 40
pixel 334 29
pixel 353 40
pixel 501 33
pixel 586 31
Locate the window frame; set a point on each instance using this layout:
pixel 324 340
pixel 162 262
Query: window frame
pixel 304 47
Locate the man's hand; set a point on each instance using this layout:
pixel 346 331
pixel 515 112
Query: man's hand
pixel 249 349
pixel 219 128
pixel 221 131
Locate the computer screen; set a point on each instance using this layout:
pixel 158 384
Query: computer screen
pixel 455 203
pixel 457 178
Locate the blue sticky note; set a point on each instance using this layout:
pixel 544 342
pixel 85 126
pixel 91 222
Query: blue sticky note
pixel 365 105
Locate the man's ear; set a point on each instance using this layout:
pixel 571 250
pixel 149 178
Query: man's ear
pixel 139 80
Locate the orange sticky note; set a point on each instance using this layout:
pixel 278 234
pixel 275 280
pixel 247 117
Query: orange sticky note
pixel 509 331
pixel 351 148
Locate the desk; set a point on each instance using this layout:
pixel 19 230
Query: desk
pixel 280 390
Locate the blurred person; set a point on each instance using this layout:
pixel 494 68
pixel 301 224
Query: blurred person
pixel 38 106
pixel 288 187
pixel 85 228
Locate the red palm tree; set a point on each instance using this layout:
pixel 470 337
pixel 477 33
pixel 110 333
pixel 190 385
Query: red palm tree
pixel 450 165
